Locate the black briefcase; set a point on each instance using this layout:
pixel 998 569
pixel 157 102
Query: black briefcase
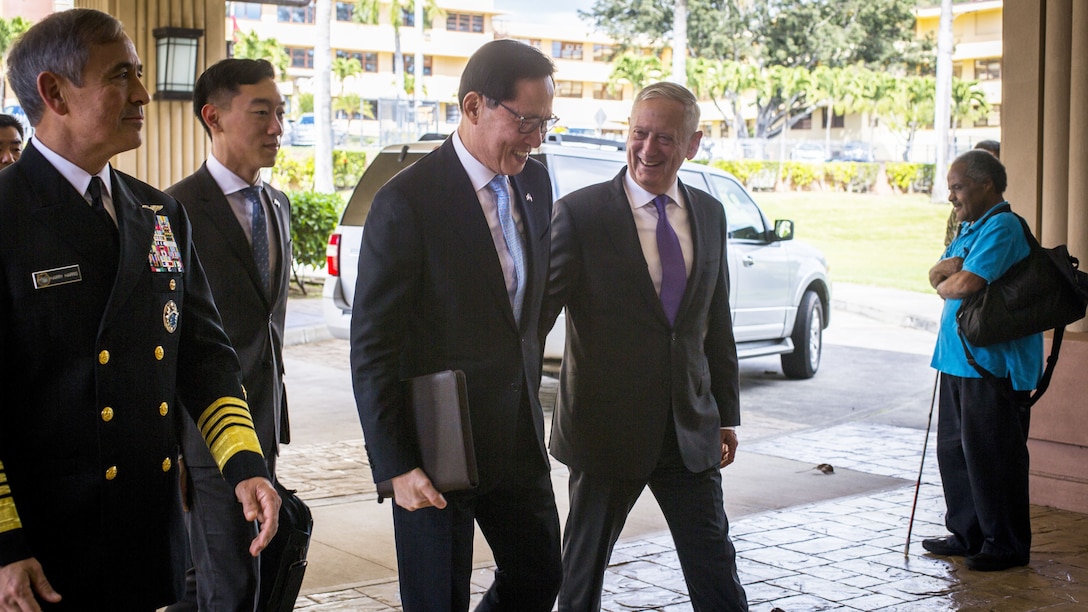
pixel 283 562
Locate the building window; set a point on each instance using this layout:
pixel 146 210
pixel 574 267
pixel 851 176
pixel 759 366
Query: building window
pixel 837 120
pixel 464 22
pixel 988 69
pixel 408 17
pixel 991 120
pixel 567 50
pixel 410 64
pixel 370 62
pixel 453 113
pixel 295 14
pixel 345 11
pixel 355 55
pixel 603 53
pixel 300 58
pixel 568 89
pixel 244 10
pixel 601 92
pixel 957 70
pixel 804 124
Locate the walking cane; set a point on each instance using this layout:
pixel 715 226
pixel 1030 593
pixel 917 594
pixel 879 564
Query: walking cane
pixel 918 484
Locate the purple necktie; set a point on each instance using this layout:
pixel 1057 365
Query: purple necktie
pixel 674 275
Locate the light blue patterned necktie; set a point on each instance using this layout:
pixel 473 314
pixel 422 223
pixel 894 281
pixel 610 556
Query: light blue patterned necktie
pixel 259 234
pixel 513 240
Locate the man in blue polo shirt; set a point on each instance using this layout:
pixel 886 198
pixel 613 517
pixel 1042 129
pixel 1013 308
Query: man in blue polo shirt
pixel 983 424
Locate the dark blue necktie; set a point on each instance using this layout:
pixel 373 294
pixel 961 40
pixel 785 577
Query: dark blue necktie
pixel 674 276
pixel 259 234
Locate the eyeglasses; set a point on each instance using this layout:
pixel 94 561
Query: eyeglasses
pixel 528 125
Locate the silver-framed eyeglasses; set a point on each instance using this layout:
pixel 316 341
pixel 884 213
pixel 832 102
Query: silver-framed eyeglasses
pixel 528 125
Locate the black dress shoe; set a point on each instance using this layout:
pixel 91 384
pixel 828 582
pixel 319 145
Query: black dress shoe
pixel 988 562
pixel 944 547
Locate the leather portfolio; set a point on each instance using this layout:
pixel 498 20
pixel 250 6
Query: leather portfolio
pixel 439 407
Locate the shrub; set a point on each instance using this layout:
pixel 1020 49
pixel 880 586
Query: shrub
pixel 347 168
pixel 754 174
pixel 801 175
pixel 293 173
pixel 910 176
pixel 313 217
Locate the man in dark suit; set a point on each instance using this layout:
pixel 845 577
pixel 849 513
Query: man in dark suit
pixel 648 391
pixel 105 319
pixel 451 273
pixel 242 228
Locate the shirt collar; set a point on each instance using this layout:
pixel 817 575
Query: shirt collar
pixel 639 197
pixel 968 226
pixel 478 173
pixel 228 181
pixel 76 176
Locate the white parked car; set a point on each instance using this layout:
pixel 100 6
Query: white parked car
pixel 780 290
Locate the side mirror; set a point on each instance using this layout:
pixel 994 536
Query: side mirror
pixel 783 230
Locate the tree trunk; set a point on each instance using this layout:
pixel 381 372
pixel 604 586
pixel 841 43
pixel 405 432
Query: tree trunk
pixel 943 102
pixel 323 98
pixel 680 43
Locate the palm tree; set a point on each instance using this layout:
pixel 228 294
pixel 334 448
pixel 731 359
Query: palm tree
pixel 636 70
pixel 369 12
pixel 344 67
pixel 968 103
pixel 323 182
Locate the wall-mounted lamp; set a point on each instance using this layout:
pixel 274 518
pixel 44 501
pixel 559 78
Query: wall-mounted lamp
pixel 176 59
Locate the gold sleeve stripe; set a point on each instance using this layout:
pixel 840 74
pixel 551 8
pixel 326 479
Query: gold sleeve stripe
pixel 227 429
pixel 9 518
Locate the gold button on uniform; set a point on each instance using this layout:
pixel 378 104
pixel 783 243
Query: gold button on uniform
pixel 173 284
pixel 111 472
pixel 107 414
pixel 159 353
pixel 163 409
pixel 103 357
pixel 166 463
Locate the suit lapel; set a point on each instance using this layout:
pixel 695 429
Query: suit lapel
pixel 623 234
pixel 136 224
pixel 60 208
pixel 467 217
pixel 282 224
pixel 213 205
pixel 698 245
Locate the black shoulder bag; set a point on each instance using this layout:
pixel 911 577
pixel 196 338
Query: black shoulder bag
pixel 1045 290
pixel 283 562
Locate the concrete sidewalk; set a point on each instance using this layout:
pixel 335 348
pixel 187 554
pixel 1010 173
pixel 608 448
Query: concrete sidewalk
pixel 805 540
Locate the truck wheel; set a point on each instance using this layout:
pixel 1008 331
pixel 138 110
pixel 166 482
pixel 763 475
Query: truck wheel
pixel 807 339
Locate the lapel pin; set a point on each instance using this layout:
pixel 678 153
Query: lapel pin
pixel 529 197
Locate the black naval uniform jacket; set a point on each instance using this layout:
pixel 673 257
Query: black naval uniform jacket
pixel 92 356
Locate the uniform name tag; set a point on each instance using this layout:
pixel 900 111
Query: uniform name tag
pixel 56 276
pixel 164 255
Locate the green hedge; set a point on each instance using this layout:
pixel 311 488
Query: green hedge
pixel 313 217
pixel 910 176
pixel 297 173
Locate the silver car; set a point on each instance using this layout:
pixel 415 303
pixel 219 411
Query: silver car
pixel 779 291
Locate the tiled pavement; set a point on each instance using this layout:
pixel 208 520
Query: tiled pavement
pixel 843 554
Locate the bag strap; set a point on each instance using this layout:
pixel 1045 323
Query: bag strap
pixel 1044 382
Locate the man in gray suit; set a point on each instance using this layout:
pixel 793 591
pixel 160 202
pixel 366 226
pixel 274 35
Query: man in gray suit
pixel 241 226
pixel 648 390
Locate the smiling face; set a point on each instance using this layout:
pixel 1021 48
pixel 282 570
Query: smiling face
pixel 657 143
pixel 491 133
pixel 104 116
pixel 246 128
pixel 970 198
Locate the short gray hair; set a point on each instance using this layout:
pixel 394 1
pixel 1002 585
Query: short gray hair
pixel 677 93
pixel 980 165
pixel 61 43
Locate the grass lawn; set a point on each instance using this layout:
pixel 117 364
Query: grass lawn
pixel 883 240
